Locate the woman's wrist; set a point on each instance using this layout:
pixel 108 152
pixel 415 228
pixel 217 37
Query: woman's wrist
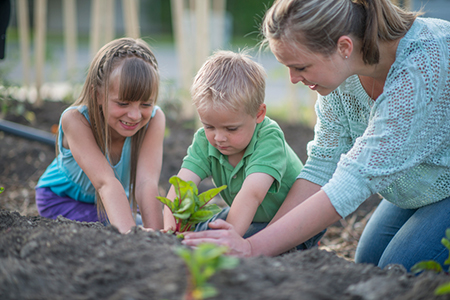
pixel 249 250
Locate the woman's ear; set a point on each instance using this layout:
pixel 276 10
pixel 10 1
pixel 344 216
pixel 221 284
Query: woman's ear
pixel 345 46
pixel 261 114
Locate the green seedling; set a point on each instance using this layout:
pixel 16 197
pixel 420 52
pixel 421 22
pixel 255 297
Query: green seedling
pixel 1 189
pixel 202 263
pixel 432 265
pixel 190 208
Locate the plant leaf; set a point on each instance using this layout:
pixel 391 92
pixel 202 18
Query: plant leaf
pixel 214 208
pixel 201 216
pixel 443 289
pixel 228 262
pixel 166 201
pixel 188 205
pixel 206 196
pixel 430 265
pixel 182 216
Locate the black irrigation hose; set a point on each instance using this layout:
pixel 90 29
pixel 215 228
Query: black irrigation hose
pixel 27 132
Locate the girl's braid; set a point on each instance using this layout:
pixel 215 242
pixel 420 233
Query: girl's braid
pixel 138 51
pixel 123 51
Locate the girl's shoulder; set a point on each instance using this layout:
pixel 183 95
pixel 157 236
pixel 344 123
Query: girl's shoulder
pixel 72 113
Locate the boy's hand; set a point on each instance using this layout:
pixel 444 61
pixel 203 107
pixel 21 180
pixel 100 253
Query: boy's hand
pixel 224 234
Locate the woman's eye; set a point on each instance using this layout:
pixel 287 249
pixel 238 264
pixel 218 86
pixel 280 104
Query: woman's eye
pixel 146 104
pixel 122 103
pixel 299 69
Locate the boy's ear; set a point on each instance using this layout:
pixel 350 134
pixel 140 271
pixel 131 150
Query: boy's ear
pixel 261 114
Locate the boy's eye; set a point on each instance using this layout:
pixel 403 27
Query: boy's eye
pixel 232 128
pixel 299 69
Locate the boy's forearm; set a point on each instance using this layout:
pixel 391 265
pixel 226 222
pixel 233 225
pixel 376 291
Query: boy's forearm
pixel 169 221
pixel 242 213
pixel 300 191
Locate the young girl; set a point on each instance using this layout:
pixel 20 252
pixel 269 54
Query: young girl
pixel 382 75
pixel 109 144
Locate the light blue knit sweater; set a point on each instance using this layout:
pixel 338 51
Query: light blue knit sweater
pixel 397 146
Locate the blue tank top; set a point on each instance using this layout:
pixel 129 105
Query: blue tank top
pixel 65 177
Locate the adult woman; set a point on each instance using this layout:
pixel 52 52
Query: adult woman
pixel 383 80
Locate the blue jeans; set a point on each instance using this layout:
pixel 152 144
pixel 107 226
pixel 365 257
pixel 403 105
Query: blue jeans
pixel 255 227
pixel 405 236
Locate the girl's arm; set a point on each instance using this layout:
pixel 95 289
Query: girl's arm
pixel 247 201
pixel 186 175
pixel 298 225
pixel 148 172
pixel 79 139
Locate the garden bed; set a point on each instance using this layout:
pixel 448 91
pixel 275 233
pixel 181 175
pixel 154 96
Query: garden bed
pixel 63 259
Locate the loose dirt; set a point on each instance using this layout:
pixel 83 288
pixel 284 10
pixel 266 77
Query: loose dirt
pixel 62 259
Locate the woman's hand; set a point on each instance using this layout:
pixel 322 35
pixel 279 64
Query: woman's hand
pixel 223 234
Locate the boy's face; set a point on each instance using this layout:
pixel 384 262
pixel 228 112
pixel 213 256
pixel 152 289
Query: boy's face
pixel 229 131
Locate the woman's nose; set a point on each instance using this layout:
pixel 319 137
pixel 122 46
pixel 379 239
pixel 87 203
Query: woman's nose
pixel 295 78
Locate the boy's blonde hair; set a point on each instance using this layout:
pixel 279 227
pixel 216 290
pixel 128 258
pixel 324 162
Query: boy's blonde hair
pixel 229 80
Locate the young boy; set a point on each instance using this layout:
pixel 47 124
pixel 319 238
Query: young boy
pixel 238 145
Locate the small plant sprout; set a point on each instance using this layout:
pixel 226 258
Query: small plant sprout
pixel 432 265
pixel 203 262
pixel 190 208
pixel 1 189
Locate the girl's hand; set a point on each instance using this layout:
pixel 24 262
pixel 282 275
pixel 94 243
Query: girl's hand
pixel 223 234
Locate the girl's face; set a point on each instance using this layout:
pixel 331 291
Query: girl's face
pixel 124 118
pixel 229 131
pixel 319 72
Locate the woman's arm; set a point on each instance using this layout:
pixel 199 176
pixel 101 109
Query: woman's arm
pixel 295 227
pixel 148 172
pixel 298 225
pixel 246 202
pixel 80 140
pixel 186 175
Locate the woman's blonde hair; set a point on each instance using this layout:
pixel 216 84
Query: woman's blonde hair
pixel 229 80
pixel 139 81
pixel 318 24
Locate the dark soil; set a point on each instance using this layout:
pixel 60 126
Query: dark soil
pixel 62 259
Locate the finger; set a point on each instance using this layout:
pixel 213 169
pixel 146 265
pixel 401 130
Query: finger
pixel 220 224
pixel 215 234
pixel 196 242
pixel 147 229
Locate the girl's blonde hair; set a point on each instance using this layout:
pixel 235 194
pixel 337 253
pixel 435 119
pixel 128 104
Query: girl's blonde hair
pixel 229 80
pixel 139 81
pixel 318 24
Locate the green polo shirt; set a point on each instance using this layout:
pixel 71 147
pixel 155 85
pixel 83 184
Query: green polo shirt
pixel 267 152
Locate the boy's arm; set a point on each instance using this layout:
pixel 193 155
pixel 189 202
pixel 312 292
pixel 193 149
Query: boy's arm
pixel 186 175
pixel 246 202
